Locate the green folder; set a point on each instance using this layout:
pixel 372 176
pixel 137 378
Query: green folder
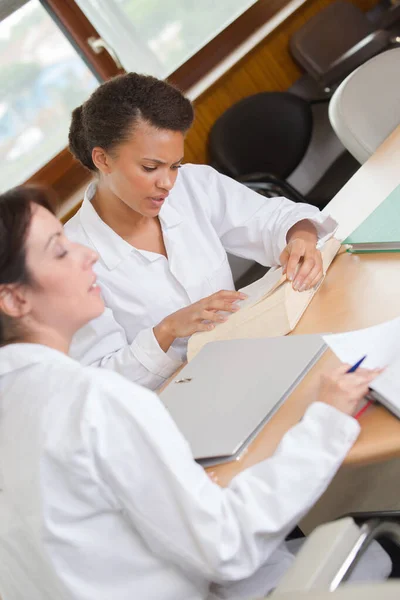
pixel 380 232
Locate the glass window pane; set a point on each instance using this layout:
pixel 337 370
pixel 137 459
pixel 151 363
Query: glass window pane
pixel 42 79
pixel 157 36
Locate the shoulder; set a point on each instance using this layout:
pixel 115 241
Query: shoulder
pixel 102 385
pixel 198 187
pixel 203 180
pixel 74 229
pixel 105 393
pixel 74 222
pixel 76 232
pixel 60 379
pixel 89 399
pixel 108 383
pixel 201 175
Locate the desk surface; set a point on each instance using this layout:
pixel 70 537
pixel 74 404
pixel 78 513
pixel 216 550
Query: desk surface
pixel 359 291
pixel 373 296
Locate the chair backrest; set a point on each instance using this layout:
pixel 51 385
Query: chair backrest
pixel 328 35
pixel 365 108
pixel 264 133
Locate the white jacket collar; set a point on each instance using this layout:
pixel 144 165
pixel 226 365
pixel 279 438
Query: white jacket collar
pixel 110 246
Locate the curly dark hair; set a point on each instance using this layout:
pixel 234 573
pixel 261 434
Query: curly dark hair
pixel 109 116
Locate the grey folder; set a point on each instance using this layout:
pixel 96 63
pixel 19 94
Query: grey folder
pixel 225 395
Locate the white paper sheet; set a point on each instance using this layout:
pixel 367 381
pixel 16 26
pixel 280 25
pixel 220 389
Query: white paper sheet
pixel 388 386
pixel 381 344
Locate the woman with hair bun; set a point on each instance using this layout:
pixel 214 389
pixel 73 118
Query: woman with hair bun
pixel 163 235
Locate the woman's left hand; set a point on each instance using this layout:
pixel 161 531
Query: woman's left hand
pixel 302 262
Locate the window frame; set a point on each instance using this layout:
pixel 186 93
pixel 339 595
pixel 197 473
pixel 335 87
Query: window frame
pixel 63 173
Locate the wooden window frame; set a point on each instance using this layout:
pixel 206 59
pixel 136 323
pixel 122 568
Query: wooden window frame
pixel 63 172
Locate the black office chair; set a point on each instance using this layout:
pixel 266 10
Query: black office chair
pixel 341 37
pixel 261 140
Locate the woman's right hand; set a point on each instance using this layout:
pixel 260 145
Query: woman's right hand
pixel 344 390
pixel 200 316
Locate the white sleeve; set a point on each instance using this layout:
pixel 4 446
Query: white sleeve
pixel 255 227
pixel 221 534
pixel 103 343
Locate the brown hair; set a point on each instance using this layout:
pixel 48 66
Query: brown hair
pixel 109 116
pixel 15 217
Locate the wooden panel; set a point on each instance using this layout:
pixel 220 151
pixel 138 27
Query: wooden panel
pixel 225 42
pixel 269 67
pixel 63 173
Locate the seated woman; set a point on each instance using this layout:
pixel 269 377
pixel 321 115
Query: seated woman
pixel 162 236
pixel 99 495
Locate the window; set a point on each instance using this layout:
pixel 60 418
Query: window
pixel 157 36
pixel 51 55
pixel 42 79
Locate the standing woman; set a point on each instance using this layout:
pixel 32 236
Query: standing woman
pixel 163 230
pixel 100 498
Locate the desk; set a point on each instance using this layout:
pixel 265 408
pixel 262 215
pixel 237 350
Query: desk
pixel 339 306
pixel 359 291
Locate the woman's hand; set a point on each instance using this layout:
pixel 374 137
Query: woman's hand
pixel 345 390
pixel 213 476
pixel 200 316
pixel 301 261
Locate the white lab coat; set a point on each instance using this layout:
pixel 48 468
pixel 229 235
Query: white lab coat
pixel 100 497
pixel 205 215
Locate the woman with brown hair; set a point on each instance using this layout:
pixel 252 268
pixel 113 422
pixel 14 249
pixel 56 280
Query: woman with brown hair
pixel 100 497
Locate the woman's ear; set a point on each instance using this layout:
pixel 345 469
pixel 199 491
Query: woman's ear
pixel 13 301
pixel 101 160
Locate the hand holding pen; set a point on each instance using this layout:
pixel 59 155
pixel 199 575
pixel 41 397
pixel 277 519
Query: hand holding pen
pixel 345 387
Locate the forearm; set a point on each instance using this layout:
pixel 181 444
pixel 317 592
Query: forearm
pixel 164 336
pixel 269 499
pixel 228 534
pixel 143 361
pixel 125 363
pixel 304 230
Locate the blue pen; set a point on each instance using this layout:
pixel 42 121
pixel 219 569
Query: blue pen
pixel 358 363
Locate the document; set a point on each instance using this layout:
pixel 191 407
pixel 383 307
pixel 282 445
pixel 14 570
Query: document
pixel 260 289
pixel 380 344
pixel 386 387
pixel 273 308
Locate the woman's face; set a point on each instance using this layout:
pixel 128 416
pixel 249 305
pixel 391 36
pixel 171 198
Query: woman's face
pixel 64 295
pixel 142 171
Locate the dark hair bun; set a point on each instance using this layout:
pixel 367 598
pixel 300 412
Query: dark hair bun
pixel 77 140
pixel 109 117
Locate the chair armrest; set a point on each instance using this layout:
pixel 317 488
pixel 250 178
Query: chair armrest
pixel 367 48
pixel 386 515
pixel 321 557
pixel 332 551
pixel 270 185
pixel 310 89
pixel 259 177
